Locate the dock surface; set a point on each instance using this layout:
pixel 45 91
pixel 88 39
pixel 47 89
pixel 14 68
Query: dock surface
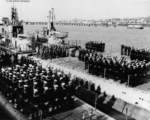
pixel 137 100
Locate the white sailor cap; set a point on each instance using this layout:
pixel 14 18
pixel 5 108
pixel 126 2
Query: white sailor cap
pixel 30 65
pixel 35 83
pixel 3 69
pixel 61 78
pixel 45 82
pixel 17 65
pixel 24 72
pixel 30 74
pixel 14 76
pixel 55 86
pixel 36 74
pixel 35 90
pixel 45 88
pixel 25 86
pixel 22 75
pixel 25 80
pixel 9 68
pixel 53 75
pixel 55 80
pixel 20 81
pixel 10 73
pixel 69 82
pixel 62 84
pixel 59 73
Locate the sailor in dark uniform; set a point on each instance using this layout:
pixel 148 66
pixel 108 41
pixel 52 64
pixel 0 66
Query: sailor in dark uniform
pixel 101 99
pixel 56 98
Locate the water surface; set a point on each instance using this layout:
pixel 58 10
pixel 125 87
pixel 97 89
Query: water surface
pixel 113 37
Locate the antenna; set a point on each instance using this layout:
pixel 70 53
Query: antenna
pixel 14 1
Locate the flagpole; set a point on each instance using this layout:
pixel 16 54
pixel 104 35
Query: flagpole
pixel 128 80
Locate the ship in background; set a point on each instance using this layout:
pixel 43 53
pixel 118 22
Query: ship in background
pixel 52 30
pixel 50 33
pixel 14 37
pixel 135 26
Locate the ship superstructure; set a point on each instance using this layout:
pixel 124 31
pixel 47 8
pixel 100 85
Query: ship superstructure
pixel 14 37
pixel 17 26
pixel 52 34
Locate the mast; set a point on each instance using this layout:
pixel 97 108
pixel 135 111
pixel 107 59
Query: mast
pixel 52 20
pixel 14 16
pixel 49 20
pixel 16 26
pixel 51 30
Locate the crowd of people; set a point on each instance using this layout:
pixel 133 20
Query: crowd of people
pixel 38 93
pixel 52 51
pixel 95 45
pixel 115 67
pixel 140 54
pixel 35 91
pixel 7 58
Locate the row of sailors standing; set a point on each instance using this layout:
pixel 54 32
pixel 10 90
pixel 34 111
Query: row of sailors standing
pixel 114 67
pixel 95 45
pixel 83 53
pixel 134 53
pixel 52 51
pixel 31 88
pixel 88 92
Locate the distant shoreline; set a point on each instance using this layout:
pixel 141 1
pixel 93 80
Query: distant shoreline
pixel 84 24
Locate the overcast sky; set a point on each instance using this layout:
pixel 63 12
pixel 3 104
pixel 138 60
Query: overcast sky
pixel 37 10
